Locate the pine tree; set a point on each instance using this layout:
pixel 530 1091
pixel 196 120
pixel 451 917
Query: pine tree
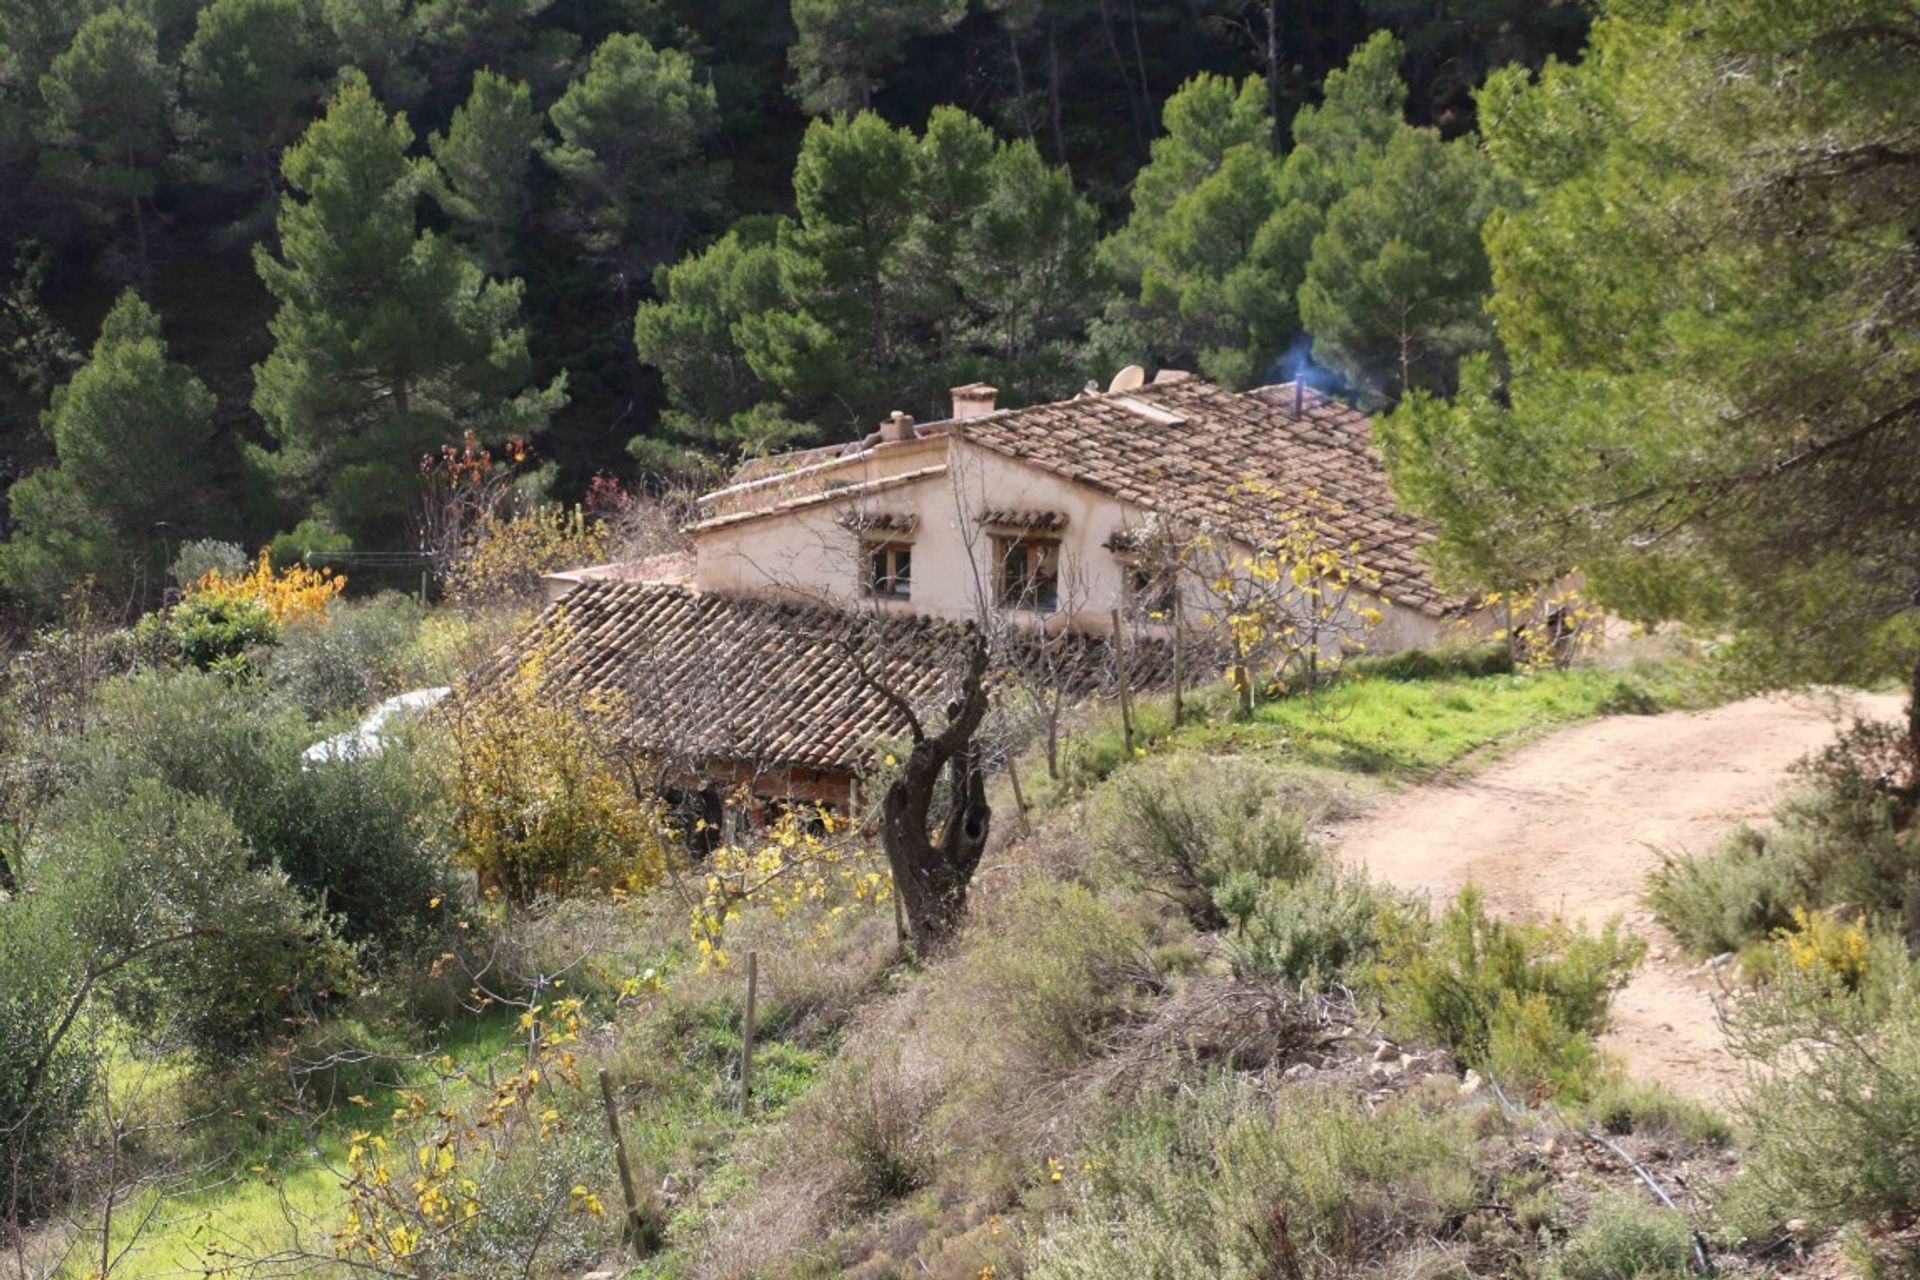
pixel 844 47
pixel 1705 299
pixel 388 340
pixel 250 72
pixel 632 131
pixel 1395 289
pixel 132 433
pixel 1216 248
pixel 104 126
pixel 483 159
pixel 914 264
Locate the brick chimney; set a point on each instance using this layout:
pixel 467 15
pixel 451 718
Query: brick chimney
pixel 897 427
pixel 975 400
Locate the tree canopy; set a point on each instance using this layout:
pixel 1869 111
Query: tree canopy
pixel 1708 397
pixel 132 436
pixel 388 339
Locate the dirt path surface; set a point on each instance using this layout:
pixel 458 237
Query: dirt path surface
pixel 1573 823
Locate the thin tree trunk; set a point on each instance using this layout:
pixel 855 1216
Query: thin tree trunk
pixel 1140 57
pixel 1053 95
pixel 1126 81
pixel 1273 69
pixel 1020 83
pixel 1913 711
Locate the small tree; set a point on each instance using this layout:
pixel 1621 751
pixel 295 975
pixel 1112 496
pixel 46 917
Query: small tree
pixel 105 123
pixel 933 864
pixel 387 338
pixel 132 436
pixel 483 158
pixel 250 74
pixel 1287 612
pixel 541 804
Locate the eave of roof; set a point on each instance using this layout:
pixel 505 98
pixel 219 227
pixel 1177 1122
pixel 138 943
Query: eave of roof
pixel 826 497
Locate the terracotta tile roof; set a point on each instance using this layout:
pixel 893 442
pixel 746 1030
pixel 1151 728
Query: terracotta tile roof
pixel 713 678
pixel 1192 450
pixel 824 497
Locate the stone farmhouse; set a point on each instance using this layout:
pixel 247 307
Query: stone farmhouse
pixel 818 575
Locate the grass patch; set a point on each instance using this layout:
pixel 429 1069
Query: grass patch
pixel 1381 724
pixel 1403 714
pixel 278 1182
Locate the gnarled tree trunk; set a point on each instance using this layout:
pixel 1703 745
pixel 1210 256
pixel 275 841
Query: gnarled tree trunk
pixel 932 870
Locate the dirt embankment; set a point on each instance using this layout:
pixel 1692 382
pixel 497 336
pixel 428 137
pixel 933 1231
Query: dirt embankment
pixel 1573 823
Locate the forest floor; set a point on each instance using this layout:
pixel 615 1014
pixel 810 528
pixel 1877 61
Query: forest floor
pixel 1572 824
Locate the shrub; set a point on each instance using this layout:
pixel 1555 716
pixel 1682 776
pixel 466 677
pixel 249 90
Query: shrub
pixel 1051 968
pixel 359 836
pixel 502 563
pixel 1470 661
pixel 1321 928
pixel 1834 1117
pixel 1742 892
pixel 875 1123
pixel 1633 1107
pixel 210 632
pixel 1233 1179
pixel 1626 1238
pixel 1846 840
pixel 1535 993
pixel 351 659
pixel 1190 827
pixel 153 905
pixel 196 559
pixel 541 802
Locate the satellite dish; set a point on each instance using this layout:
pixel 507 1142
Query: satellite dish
pixel 1131 378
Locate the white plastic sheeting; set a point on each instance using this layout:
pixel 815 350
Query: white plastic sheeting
pixel 369 737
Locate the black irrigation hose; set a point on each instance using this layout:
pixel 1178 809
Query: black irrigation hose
pixel 1699 1247
pixel 1700 1260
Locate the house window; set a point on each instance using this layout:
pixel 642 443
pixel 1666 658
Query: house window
pixel 1029 573
pixel 890 570
pixel 1150 590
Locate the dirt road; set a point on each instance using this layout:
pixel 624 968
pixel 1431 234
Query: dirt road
pixel 1573 823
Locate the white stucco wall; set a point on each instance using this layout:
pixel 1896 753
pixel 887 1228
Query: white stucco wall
pixel 810 554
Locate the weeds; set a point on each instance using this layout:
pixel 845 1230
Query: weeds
pixel 1233 1181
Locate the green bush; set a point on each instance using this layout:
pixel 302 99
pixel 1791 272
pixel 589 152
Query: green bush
pixel 196 559
pixel 1834 1118
pixel 210 632
pixel 1322 928
pixel 1471 661
pixel 1633 1107
pixel 150 909
pixel 1520 998
pixel 1192 828
pixel 1235 1180
pixel 1627 1238
pixel 355 656
pixel 1740 893
pixel 1845 840
pixel 359 837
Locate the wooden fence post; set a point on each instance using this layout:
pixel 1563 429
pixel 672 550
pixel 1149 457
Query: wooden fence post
pixel 1179 658
pixel 637 1225
pixel 1126 683
pixel 746 1034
